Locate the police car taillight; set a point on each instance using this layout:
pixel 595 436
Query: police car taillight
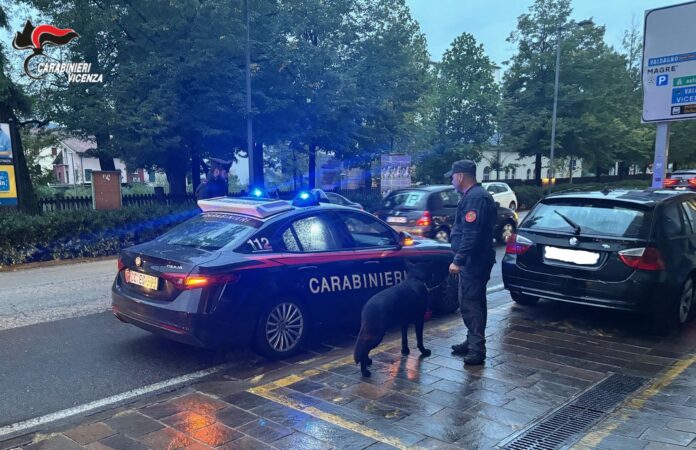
pixel 518 245
pixel 185 282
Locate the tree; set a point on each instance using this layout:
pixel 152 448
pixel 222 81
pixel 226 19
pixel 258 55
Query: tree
pixel 179 92
pixel 15 104
pixel 35 140
pixel 87 109
pixel 459 115
pixel 597 118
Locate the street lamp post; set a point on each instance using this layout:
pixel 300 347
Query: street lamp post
pixel 552 171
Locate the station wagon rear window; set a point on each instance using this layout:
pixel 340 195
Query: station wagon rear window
pixel 405 200
pixel 593 218
pixel 211 231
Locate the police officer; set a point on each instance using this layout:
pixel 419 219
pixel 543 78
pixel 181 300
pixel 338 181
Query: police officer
pixel 216 182
pixel 472 242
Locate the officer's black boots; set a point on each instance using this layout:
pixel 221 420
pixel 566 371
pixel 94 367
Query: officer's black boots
pixel 461 349
pixel 474 358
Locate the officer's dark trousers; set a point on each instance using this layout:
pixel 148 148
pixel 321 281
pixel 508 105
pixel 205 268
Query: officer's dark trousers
pixel 473 308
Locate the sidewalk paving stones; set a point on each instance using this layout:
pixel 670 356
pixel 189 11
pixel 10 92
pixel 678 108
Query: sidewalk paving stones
pixel 539 359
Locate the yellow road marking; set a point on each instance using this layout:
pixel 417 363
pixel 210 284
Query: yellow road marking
pixel 330 418
pixel 593 439
pixel 267 391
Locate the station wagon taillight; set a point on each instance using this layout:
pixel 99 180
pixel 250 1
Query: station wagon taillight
pixel 185 282
pixel 518 245
pixel 425 220
pixel 692 182
pixel 644 258
pixel 670 182
pixel 120 264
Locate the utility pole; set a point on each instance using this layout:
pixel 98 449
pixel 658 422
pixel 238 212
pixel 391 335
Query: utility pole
pixel 250 137
pixel 552 170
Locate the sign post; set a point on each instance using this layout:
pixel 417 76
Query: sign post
pixel 669 75
pixel 661 153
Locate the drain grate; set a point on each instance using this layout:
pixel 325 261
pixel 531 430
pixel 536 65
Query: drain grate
pixel 577 416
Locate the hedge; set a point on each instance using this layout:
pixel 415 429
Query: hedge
pixel 527 196
pixel 83 233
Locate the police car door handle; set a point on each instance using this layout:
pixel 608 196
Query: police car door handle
pixel 308 268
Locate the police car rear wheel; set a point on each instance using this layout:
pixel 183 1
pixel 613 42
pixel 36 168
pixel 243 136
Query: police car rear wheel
pixel 282 330
pixel 507 230
pixel 526 300
pixel 442 235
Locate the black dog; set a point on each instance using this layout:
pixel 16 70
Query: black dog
pixel 403 305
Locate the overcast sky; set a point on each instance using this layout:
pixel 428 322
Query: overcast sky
pixel 491 21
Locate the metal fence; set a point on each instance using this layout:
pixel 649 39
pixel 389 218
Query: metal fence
pixel 369 197
pixel 366 197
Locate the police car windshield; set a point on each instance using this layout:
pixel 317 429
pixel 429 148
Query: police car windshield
pixel 405 200
pixel 596 218
pixel 211 231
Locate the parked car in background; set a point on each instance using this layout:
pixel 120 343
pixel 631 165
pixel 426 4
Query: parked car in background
pixel 429 211
pixel 682 180
pixel 335 199
pixel 503 194
pixel 626 250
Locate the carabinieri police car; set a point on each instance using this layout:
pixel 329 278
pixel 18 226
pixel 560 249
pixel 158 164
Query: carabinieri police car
pixel 265 272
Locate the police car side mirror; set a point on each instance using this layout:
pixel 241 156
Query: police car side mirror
pixel 497 204
pixel 405 239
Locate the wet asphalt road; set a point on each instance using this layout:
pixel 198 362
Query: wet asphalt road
pixel 61 347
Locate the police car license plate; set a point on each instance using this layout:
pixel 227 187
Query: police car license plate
pixel 140 279
pixel 579 257
pixel 393 219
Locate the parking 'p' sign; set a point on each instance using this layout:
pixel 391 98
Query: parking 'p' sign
pixel 669 64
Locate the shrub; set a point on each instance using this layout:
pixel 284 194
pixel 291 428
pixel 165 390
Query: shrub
pixel 527 196
pixel 83 233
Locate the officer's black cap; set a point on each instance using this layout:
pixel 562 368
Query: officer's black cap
pixel 462 166
pixel 220 163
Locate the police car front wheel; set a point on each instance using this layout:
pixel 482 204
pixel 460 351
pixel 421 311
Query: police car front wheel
pixel 282 330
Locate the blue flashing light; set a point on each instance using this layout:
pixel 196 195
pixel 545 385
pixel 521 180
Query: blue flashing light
pixel 305 198
pixel 257 192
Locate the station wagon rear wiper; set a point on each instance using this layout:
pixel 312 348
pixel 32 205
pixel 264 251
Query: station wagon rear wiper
pixel 575 226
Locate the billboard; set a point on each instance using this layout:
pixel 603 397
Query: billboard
pixel 395 172
pixel 8 184
pixel 669 64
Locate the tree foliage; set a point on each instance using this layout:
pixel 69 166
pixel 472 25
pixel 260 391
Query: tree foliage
pixel 598 115
pixel 458 118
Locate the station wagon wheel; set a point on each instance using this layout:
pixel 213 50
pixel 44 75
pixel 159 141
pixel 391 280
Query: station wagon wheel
pixel 282 329
pixel 678 312
pixel 686 301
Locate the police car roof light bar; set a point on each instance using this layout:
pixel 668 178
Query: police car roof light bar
pixel 255 207
pixel 305 198
pixel 257 192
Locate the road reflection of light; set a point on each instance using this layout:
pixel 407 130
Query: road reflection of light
pixel 191 421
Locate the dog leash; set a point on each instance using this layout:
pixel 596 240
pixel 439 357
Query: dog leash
pixel 434 287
